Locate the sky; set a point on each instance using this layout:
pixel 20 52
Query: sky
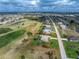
pixel 39 5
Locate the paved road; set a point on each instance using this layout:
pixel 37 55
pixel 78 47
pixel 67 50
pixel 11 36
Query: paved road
pixel 62 50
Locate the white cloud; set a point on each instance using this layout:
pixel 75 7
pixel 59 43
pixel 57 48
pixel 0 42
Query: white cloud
pixel 64 2
pixel 34 2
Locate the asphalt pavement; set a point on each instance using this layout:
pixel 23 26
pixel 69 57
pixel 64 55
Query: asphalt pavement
pixel 62 50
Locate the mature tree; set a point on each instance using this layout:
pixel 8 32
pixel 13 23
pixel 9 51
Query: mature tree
pixel 22 57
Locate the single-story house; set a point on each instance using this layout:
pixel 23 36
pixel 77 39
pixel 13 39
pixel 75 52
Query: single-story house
pixel 45 38
pixel 73 38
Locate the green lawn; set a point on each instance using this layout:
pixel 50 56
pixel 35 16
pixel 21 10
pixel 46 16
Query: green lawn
pixel 4 30
pixel 54 43
pixel 63 35
pixel 38 43
pixel 71 52
pixel 4 40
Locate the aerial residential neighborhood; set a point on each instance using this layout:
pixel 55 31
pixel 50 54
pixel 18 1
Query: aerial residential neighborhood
pixel 39 29
pixel 38 37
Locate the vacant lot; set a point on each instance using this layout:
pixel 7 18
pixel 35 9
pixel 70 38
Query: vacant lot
pixel 41 53
pixel 34 27
pixel 71 33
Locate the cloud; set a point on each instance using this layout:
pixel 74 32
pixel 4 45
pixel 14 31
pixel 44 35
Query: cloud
pixel 64 2
pixel 38 5
pixel 19 5
pixel 22 2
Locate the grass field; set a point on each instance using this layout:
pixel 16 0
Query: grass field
pixel 4 40
pixel 54 43
pixel 38 43
pixel 71 48
pixel 4 30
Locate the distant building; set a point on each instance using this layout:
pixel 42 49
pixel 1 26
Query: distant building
pixel 10 18
pixel 48 26
pixel 62 25
pixel 73 38
pixel 47 29
pixel 45 38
